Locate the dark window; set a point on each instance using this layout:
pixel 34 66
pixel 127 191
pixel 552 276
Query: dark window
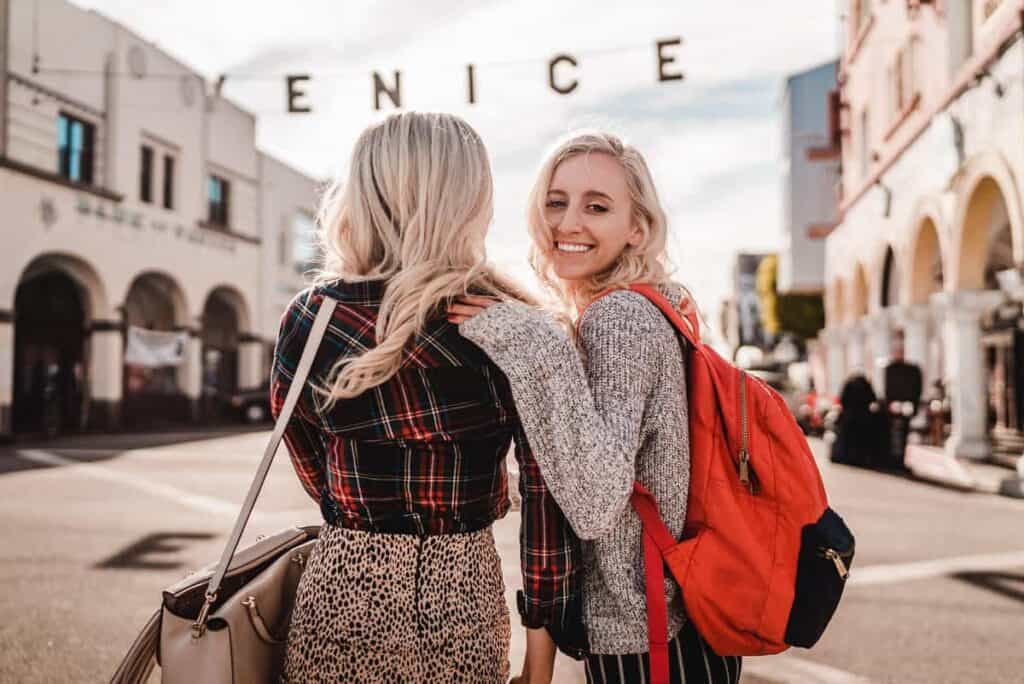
pixel 168 181
pixel 219 195
pixel 146 174
pixel 75 140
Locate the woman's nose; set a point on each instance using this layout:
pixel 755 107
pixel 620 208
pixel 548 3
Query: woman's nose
pixel 572 221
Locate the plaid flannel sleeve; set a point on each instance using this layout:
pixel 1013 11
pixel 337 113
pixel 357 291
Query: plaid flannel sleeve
pixel 302 435
pixel 551 560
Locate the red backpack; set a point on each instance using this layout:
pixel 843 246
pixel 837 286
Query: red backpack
pixel 763 560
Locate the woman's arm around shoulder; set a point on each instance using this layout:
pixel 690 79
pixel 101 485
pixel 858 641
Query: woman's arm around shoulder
pixel 584 423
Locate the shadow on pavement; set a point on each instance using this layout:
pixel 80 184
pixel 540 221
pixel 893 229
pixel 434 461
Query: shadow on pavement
pixel 1008 584
pixel 88 448
pixel 153 552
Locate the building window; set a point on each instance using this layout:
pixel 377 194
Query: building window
pixel 902 80
pixel 218 194
pixel 168 181
pixel 302 242
pixel 146 174
pixel 75 144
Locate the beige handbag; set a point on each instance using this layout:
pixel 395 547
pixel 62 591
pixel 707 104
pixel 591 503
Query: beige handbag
pixel 227 623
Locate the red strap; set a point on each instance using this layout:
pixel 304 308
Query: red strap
pixel 657 611
pixel 657 540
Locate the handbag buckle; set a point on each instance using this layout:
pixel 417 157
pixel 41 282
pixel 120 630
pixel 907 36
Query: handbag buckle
pixel 199 626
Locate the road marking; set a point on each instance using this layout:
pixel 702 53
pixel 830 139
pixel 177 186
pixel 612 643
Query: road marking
pixel 902 572
pixel 197 502
pixel 787 669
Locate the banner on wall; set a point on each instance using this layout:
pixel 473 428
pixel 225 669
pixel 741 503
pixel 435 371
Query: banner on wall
pixel 154 348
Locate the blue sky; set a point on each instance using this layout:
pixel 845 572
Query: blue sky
pixel 712 140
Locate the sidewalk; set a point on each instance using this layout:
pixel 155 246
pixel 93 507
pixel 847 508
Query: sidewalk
pixel 933 464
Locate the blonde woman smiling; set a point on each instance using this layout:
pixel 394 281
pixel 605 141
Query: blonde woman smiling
pixel 617 415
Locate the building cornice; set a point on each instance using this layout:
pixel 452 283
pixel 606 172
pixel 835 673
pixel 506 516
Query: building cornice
pixel 223 230
pixel 57 179
pixel 967 77
pixel 50 92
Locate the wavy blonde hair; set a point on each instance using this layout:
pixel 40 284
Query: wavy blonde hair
pixel 647 262
pixel 414 211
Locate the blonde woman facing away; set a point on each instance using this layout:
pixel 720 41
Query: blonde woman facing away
pixel 403 438
pixel 617 414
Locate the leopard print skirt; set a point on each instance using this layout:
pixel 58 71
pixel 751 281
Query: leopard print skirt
pixel 393 608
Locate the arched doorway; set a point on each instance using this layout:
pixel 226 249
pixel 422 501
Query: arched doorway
pixel 1002 340
pixel 986 263
pixel 50 346
pixel 927 279
pixel 225 318
pixel 153 396
pixel 858 295
pixel 890 290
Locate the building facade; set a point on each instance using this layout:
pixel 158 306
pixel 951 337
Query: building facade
pixel 741 314
pixel 134 197
pixel 810 176
pixel 930 241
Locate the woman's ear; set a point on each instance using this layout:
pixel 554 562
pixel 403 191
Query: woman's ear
pixel 636 236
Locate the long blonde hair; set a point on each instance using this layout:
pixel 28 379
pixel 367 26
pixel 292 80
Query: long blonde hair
pixel 646 262
pixel 414 211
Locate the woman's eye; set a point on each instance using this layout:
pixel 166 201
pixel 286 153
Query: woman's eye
pixel 556 204
pixel 598 208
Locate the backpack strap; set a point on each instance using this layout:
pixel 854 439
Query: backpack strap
pixel 657 540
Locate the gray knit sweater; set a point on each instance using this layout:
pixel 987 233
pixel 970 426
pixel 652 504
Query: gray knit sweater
pixel 595 424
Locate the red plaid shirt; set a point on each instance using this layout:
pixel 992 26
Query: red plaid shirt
pixel 423 453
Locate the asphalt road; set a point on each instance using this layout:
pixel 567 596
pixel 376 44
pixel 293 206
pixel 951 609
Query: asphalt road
pixel 94 527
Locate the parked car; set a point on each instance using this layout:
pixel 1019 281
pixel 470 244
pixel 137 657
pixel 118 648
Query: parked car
pixel 251 406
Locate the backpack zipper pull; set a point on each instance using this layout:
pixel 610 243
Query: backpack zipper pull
pixel 745 468
pixel 837 560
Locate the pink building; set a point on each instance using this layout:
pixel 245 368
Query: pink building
pixel 930 240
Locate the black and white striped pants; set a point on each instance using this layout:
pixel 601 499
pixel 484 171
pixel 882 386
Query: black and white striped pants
pixel 690 660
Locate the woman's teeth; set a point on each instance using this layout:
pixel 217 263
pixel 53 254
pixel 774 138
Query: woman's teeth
pixel 570 247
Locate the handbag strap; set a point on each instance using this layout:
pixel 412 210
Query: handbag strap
pixel 316 334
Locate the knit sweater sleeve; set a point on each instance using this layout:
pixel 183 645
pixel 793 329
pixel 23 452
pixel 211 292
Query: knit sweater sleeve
pixel 584 421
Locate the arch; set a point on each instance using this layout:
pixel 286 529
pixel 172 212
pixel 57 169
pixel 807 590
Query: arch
pixel 94 293
pixel 890 283
pixel 155 300
pixel 857 303
pixel 836 302
pixel 226 324
pixel 927 254
pixel 988 203
pixel 235 300
pixel 927 274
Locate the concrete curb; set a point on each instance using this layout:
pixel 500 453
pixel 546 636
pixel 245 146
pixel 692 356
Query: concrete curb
pixel 933 464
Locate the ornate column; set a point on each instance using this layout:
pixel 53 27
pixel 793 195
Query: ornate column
pixel 832 340
pixel 879 333
pixel 964 369
pixel 190 373
pixel 855 334
pixel 916 322
pixel 6 373
pixel 106 367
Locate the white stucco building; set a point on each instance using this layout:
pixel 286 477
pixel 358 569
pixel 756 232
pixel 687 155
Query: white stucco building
pixel 930 240
pixel 132 194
